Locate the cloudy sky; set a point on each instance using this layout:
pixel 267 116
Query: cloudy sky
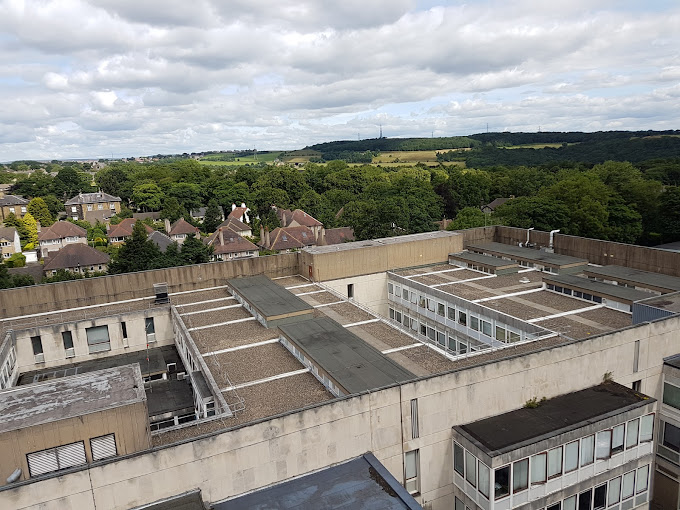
pixel 104 78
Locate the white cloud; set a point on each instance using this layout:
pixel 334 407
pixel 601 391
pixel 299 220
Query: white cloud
pixel 85 78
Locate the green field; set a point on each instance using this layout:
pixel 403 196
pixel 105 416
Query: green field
pixel 535 146
pixel 264 157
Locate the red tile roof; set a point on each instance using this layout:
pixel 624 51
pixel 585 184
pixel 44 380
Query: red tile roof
pixel 287 238
pixel 234 224
pixel 238 213
pixel 182 226
pixel 124 228
pixel 233 243
pixel 60 230
pixel 338 235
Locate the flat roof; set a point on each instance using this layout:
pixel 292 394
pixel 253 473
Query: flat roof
pixel 70 397
pixel 541 256
pixel 362 483
pixel 354 364
pixel 595 287
pixel 673 361
pixel 669 302
pixel 506 432
pixel 269 298
pixel 438 234
pixel 644 278
pixel 480 258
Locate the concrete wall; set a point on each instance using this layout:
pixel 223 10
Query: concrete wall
pixel 229 463
pixel 91 291
pixel 376 258
pixel 129 423
pixel 369 290
pixel 596 251
pixel 53 345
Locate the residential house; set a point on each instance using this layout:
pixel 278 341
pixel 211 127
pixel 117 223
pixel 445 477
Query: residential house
pixel 240 213
pixel 494 204
pixel 229 245
pixel 336 235
pixel 58 235
pixel 180 230
pixel 9 242
pixel 299 218
pixel 12 204
pixel 92 206
pixel 237 226
pixel 285 239
pixel 199 214
pixel 77 258
pixel 117 234
pixel 160 240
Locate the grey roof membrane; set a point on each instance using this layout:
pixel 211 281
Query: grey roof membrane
pixel 673 361
pixel 599 288
pixel 479 258
pixel 541 256
pixel 360 484
pixel 353 363
pixel 267 297
pixel 512 430
pixel 69 397
pixel 644 278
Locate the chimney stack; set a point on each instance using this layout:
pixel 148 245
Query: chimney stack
pixel 269 242
pixel 167 225
pixel 221 237
pixel 262 237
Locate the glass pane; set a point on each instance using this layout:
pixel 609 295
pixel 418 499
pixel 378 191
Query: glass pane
pixel 617 438
pixel 486 328
pixel 671 395
pixel 641 481
pixel 571 456
pixel 501 482
pixel 671 437
pixel 410 469
pixel 614 491
pixel 500 334
pixel 604 440
pixel 474 323
pixel 628 485
pixel 587 450
pixel 632 433
pixel 68 339
pixel 483 472
pixel 538 466
pixel 470 468
pixel 462 318
pixel 520 475
pixel 584 500
pixel 600 497
pixel 646 428
pixel 569 503
pixel 556 506
pixel 459 505
pixel 555 462
pixel 459 459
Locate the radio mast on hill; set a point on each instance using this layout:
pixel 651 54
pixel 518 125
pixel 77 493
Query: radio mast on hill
pixel 381 131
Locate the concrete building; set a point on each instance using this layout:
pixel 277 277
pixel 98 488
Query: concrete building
pixel 380 346
pixel 92 207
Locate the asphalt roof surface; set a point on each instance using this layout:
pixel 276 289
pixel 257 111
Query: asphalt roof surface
pixel 480 258
pixel 509 431
pixel 360 484
pixel 269 298
pixel 673 361
pixel 593 286
pixel 527 253
pixel 353 363
pixel 662 281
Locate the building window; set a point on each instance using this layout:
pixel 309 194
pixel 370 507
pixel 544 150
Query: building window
pixel 462 318
pixel 603 445
pixel 646 428
pixel 441 338
pixel 89 207
pixel 459 505
pixel 600 497
pixel 470 469
pixel 628 485
pixel 501 482
pixel 614 493
pixel 569 503
pixel 671 395
pixel 474 323
pixel 458 459
pixel 500 334
pixel 670 437
pixel 350 290
pixel 392 313
pixel 55 459
pixel 74 209
pixel 486 328
pixel 587 452
pixel 36 342
pixel 642 480
pixel 632 433
pixel 98 339
pixel 520 475
pixel 441 309
pixel 103 447
pixel 538 468
pixel 555 462
pixel 123 328
pixel 585 500
pixel 414 419
pixel 483 472
pixel 617 438
pixel 67 338
pixel 112 206
pixel 637 385
pixel 100 206
pixel 390 288
pixel 397 290
pixel 411 469
pixel 404 294
pixel 556 506
pixel 431 304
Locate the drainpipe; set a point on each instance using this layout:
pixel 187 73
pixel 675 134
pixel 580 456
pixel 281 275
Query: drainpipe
pixel 528 231
pixel 552 234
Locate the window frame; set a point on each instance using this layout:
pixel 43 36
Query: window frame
pixel 524 487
